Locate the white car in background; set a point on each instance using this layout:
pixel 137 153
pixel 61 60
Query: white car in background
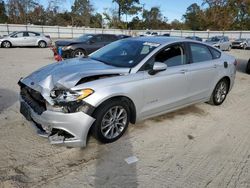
pixel 149 34
pixel 25 38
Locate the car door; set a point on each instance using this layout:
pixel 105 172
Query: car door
pixel 167 89
pixel 95 43
pixel 31 39
pixel 201 73
pixel 18 39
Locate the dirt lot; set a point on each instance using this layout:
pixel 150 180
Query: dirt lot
pixel 199 146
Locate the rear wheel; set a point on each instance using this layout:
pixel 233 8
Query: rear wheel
pixel 6 44
pixel 220 93
pixel 79 53
pixel 245 46
pixel 112 119
pixel 42 44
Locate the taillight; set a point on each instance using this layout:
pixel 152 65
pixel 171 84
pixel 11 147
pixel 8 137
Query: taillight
pixel 235 63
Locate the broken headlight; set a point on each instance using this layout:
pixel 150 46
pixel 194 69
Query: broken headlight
pixel 62 96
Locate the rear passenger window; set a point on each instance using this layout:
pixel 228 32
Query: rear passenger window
pixel 216 53
pixel 200 53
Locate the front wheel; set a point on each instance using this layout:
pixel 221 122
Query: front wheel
pixel 112 119
pixel 220 93
pixel 6 44
pixel 78 53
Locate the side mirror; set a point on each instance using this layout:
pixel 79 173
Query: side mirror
pixel 158 67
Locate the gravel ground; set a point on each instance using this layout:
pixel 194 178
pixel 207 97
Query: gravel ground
pixel 198 146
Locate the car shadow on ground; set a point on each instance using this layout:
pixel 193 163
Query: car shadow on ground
pixel 111 168
pixel 241 65
pixel 7 98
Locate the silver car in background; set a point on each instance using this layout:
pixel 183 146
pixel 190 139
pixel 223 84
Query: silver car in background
pixel 221 42
pixel 25 38
pixel 241 43
pixel 124 82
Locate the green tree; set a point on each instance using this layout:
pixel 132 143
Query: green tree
pixel 3 16
pixel 127 7
pixel 152 18
pixel 81 13
pixel 194 17
pixel 96 21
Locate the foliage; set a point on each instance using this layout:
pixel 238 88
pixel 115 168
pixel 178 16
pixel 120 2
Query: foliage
pixel 211 14
pixel 3 15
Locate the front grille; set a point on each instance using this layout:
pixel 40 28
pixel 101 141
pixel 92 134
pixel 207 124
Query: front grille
pixel 34 99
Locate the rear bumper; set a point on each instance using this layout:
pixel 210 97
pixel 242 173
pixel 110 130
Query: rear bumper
pixel 77 125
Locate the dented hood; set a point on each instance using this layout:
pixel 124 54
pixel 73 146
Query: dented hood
pixel 67 73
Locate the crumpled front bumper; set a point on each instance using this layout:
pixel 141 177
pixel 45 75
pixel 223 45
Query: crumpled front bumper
pixel 76 124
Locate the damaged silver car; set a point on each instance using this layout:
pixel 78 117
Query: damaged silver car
pixel 124 82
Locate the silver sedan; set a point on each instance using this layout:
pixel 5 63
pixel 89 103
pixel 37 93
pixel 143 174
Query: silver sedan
pixel 25 38
pixel 121 83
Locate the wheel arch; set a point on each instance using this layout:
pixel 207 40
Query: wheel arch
pixel 6 41
pixel 227 78
pixel 41 40
pixel 129 101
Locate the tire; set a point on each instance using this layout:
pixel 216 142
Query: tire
pixel 220 93
pixel 79 53
pixel 107 127
pixel 6 44
pixel 244 47
pixel 248 67
pixel 42 44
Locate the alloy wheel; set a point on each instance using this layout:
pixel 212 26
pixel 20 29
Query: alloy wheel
pixel 113 122
pixel 6 44
pixel 221 92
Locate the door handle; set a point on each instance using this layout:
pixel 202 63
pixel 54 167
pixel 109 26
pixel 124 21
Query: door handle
pixel 183 71
pixel 215 66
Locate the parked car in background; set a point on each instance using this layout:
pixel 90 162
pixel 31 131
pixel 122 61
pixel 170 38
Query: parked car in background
pixel 241 43
pixel 194 38
pixel 85 44
pixel 166 34
pixel 248 67
pixel 149 33
pixel 124 82
pixel 25 38
pixel 221 42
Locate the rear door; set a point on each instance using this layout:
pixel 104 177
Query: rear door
pixel 202 72
pixel 32 38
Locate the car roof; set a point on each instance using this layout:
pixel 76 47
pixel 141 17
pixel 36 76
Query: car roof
pixel 159 39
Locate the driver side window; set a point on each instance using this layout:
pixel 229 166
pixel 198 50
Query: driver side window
pixel 173 55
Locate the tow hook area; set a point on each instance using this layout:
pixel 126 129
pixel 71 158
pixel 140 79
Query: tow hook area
pixel 59 136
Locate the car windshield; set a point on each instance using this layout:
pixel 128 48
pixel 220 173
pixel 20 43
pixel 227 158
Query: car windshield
pixel 12 33
pixel 84 38
pixel 124 53
pixel 214 39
